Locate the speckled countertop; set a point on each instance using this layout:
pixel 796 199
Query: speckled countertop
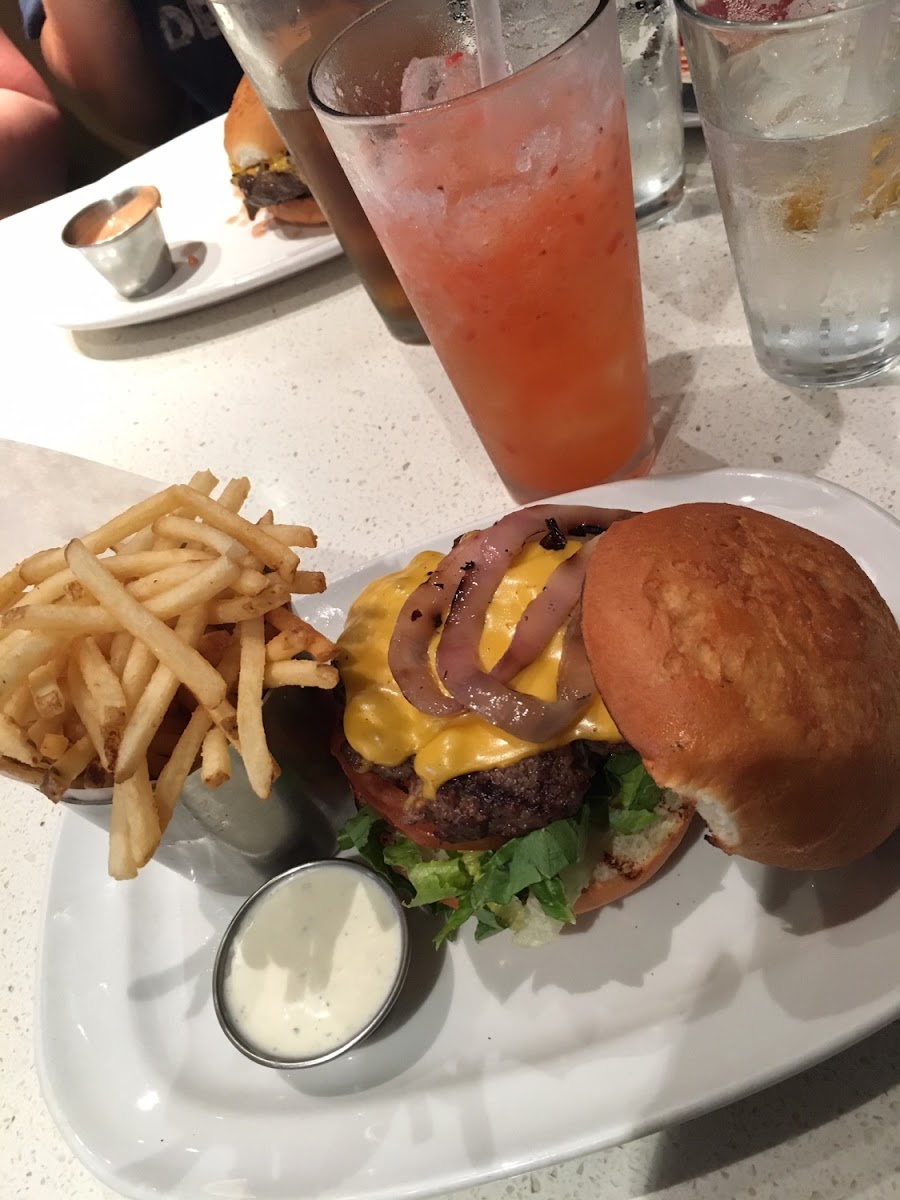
pixel 299 387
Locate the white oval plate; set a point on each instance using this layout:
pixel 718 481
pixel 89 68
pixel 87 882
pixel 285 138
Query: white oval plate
pixel 717 979
pixel 218 252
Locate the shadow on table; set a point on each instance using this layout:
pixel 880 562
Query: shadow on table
pixel 215 322
pixel 718 396
pixel 723 1139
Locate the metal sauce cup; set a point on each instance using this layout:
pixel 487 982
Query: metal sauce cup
pixel 123 239
pixel 382 1002
pixel 226 838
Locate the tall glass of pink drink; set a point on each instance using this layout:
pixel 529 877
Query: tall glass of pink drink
pixel 507 213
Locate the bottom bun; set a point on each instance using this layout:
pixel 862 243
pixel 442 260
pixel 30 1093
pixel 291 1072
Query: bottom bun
pixel 625 863
pixel 304 211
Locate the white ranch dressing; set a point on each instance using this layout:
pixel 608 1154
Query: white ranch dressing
pixel 312 963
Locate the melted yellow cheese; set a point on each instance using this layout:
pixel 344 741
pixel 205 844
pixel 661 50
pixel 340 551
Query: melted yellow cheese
pixel 282 162
pixel 381 725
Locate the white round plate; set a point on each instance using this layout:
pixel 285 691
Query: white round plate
pixel 717 979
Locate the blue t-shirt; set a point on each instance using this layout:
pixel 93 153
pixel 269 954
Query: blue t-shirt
pixel 186 41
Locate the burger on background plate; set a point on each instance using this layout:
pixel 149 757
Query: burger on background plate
pixel 261 165
pixel 532 720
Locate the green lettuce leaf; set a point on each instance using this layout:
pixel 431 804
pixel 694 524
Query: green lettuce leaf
pixel 364 833
pixel 632 788
pixel 529 881
pixel 489 923
pixel 626 821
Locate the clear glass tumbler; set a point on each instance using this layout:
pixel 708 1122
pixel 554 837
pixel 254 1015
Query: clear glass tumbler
pixel 800 102
pixel 507 211
pixel 276 42
pixel 648 34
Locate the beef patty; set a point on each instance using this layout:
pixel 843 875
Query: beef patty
pixel 503 802
pixel 269 187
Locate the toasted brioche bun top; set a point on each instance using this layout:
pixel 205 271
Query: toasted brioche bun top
pixel 250 137
pixel 756 669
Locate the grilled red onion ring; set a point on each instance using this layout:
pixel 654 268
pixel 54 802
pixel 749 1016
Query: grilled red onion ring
pixel 423 612
pixel 550 609
pixel 457 594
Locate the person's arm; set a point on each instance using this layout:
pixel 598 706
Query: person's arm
pixel 32 153
pixel 97 51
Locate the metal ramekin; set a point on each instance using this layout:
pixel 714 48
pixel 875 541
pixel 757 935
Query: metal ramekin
pixel 219 968
pixel 137 260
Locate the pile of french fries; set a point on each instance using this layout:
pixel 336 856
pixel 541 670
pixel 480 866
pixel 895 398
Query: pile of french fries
pixel 145 647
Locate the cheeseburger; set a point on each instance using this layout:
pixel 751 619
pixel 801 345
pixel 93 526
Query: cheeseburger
pixel 532 720
pixel 261 165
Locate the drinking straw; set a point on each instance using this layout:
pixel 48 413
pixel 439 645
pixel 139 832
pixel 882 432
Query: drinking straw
pixel 489 41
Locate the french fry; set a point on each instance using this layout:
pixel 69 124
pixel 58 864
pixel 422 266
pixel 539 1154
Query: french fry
pixel 47 562
pixel 186 529
pixel 94 619
pixel 224 715
pixel 12 585
pixel 15 744
pixel 244 608
pixel 97 690
pixel 306 583
pixel 121 864
pixel 123 566
pixel 46 693
pixel 20 707
pixel 48 591
pixel 206 583
pixel 21 653
pixel 257 540
pixel 119 651
pixel 285 618
pixel 53 746
pixel 67 768
pixel 154 701
pixel 251 582
pixel 234 494
pixel 215 763
pixel 296 636
pixel 191 668
pixel 181 762
pixel 204 481
pixel 139 543
pixel 136 796
pixel 300 673
pixel 107 697
pixel 258 761
pixel 201 481
pixel 139 667
pixel 18 771
pixel 300 536
pixel 72 726
pixel 36 731
pixel 250 561
pixel 161 581
pixel 82 703
pixel 59 620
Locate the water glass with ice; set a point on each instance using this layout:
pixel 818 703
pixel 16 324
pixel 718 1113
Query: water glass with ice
pixel 800 102
pixel 648 35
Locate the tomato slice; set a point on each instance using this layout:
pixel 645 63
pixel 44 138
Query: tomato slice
pixel 392 803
